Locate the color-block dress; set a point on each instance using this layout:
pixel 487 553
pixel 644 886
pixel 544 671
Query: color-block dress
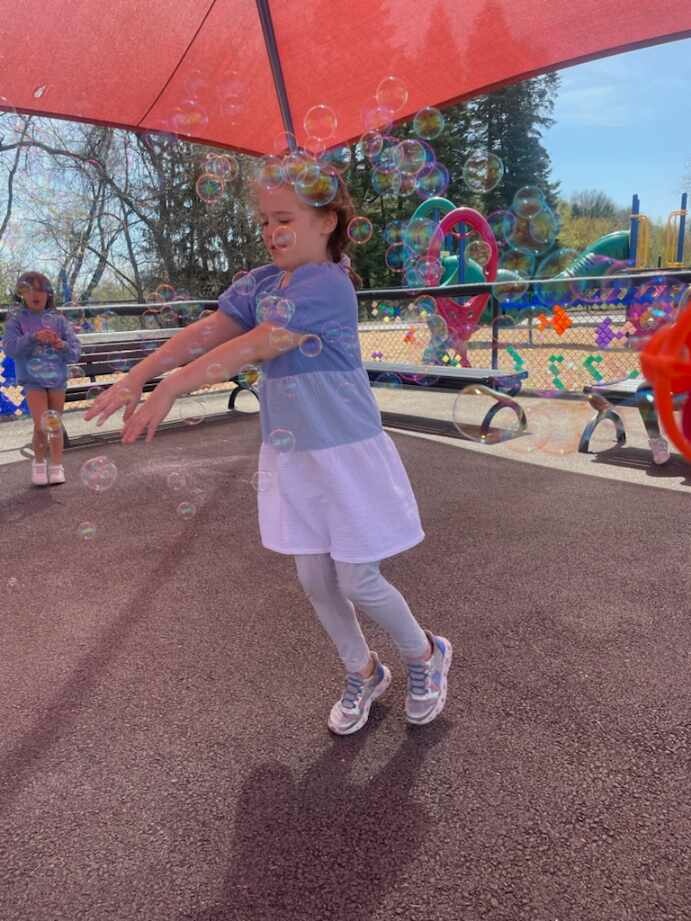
pixel 330 479
pixel 39 366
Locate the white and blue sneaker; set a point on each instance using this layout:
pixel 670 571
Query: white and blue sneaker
pixel 351 712
pixel 427 681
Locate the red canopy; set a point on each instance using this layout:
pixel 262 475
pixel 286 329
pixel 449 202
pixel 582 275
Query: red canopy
pixel 201 68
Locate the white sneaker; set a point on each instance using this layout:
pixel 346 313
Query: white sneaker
pixel 56 474
pixel 660 450
pixel 427 682
pixel 351 712
pixel 39 473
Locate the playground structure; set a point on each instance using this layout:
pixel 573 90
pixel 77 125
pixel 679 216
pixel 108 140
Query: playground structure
pixel 581 283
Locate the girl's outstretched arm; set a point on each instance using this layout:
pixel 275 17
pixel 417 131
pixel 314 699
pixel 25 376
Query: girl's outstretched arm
pixel 258 345
pixel 194 340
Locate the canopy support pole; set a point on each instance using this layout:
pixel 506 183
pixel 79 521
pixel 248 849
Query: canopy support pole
pixel 276 69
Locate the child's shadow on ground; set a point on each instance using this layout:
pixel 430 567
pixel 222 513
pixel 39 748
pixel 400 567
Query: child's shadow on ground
pixel 325 847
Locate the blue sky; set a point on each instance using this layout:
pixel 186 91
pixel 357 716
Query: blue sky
pixel 623 125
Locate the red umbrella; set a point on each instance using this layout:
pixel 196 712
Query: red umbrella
pixel 234 73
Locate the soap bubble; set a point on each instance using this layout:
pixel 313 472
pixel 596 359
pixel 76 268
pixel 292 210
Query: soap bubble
pixel 209 188
pixel 479 251
pixel 249 376
pixel 501 223
pixel 310 345
pixel 411 155
pixel 98 473
pixel 320 122
pixel 283 238
pixel 338 158
pixel 176 480
pixel 296 162
pixel 282 339
pixel 483 171
pixel 423 273
pixel 186 510
pixel 165 293
pixel 86 530
pixel 393 232
pixel 428 123
pixel 282 440
pixel 521 263
pixel 360 230
pixel 528 201
pixel 244 283
pixel 544 226
pixel 385 183
pixel 275 310
pixel 392 93
pixel 284 143
pixel 511 290
pixel 470 410
pixel 317 191
pixel 432 181
pixel 262 480
pixel 225 166
pixel 418 234
pixel 372 143
pixel 270 174
pixel 395 257
pixel 51 423
pixel 376 117
pixel 388 380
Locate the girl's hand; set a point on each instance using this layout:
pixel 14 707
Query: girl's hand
pixel 46 336
pixel 149 415
pixel 124 393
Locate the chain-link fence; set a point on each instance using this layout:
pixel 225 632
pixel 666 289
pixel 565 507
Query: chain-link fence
pixel 593 334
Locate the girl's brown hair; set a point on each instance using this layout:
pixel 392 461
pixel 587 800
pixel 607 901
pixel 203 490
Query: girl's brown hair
pixel 34 279
pixel 342 205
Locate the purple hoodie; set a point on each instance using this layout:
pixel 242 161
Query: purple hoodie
pixel 38 364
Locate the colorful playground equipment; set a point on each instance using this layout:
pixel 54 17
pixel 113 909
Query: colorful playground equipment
pixel 612 254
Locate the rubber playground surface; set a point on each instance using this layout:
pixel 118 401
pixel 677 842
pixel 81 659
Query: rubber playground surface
pixel 165 688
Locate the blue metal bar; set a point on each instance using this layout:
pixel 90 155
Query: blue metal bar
pixel 682 228
pixel 633 228
pixel 276 69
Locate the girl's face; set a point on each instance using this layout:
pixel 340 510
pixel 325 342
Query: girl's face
pixel 293 233
pixel 35 297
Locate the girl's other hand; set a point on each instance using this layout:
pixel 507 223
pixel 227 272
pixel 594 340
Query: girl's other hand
pixel 149 415
pixel 123 393
pixel 59 343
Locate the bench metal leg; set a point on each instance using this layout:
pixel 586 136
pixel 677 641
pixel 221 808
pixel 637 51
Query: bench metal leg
pixel 658 443
pixel 503 401
pixel 65 437
pixel 604 412
pixel 232 397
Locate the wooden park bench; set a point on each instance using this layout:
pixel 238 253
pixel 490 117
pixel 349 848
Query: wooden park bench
pixel 635 392
pixel 500 385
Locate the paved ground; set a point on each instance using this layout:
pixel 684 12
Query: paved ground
pixel 164 689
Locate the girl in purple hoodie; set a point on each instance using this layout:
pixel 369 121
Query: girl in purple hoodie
pixel 42 343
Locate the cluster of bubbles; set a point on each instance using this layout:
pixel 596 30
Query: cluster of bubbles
pixel 218 171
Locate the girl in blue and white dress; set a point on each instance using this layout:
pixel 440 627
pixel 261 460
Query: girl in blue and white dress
pixel 332 490
pixel 42 344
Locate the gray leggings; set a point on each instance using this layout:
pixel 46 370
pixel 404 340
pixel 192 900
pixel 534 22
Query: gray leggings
pixel 336 588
